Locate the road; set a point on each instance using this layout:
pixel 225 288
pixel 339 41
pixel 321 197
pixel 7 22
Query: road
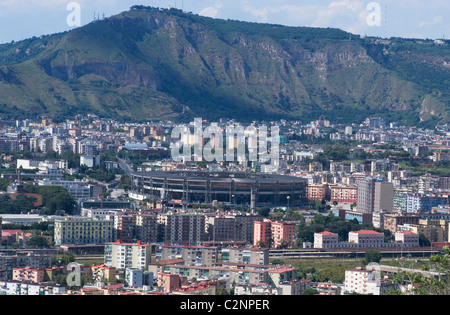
pixel 125 167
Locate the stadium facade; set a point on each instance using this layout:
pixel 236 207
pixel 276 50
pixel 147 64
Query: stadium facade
pixel 254 190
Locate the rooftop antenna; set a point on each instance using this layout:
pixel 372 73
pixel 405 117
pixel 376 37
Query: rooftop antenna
pixel 385 22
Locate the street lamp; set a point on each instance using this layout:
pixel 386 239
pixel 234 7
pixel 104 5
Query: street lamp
pixel 288 199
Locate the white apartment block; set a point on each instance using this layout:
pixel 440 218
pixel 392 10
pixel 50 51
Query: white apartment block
pixel 18 288
pixel 253 256
pixel 356 280
pixel 368 282
pixel 192 255
pixel 127 255
pixel 98 213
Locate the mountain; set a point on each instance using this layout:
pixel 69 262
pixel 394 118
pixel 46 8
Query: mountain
pixel 154 64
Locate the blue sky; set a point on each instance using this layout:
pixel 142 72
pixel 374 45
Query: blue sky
pixel 21 19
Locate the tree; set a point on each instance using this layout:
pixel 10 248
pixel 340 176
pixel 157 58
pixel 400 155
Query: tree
pixel 423 241
pixel 423 282
pixel 265 211
pixel 310 291
pixel 37 242
pixel 372 256
pixel 54 198
pixel 63 260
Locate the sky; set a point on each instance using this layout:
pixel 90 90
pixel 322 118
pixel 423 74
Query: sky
pixel 22 19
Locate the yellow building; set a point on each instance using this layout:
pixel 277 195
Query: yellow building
pixel 83 231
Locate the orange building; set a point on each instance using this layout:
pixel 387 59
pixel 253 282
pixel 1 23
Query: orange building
pixel 281 233
pixel 262 232
pixel 171 282
pixel 343 194
pixel 28 274
pixel 318 192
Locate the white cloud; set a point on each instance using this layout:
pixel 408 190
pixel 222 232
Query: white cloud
pixel 435 21
pixel 211 11
pixel 350 15
pixel 261 13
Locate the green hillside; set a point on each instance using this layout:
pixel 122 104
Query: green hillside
pixel 152 64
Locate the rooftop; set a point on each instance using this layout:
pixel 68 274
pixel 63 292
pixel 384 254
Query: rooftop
pixel 366 232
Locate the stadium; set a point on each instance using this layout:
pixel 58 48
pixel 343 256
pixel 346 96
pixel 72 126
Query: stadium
pixel 255 190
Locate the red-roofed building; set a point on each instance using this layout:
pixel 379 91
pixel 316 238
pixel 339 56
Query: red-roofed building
pixel 325 240
pixel 281 275
pixel 410 239
pixel 366 238
pixel 207 288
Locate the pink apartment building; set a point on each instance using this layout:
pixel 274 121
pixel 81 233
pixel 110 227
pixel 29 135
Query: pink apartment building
pixel 279 232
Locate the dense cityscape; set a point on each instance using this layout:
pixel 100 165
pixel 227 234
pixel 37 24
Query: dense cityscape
pixel 94 206
pixel 224 155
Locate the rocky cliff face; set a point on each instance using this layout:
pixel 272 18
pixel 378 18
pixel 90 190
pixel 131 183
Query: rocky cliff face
pixel 148 63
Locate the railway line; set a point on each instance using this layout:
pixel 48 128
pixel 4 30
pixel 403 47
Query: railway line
pixel 351 253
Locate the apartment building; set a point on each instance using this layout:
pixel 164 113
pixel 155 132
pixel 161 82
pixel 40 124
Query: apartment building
pixel 262 232
pixel 366 238
pixel 432 232
pixel 29 274
pixel 191 255
pixel 103 273
pixel 127 255
pixel 263 274
pixel 325 240
pixel 83 231
pixel 221 228
pixel 147 228
pixel 384 197
pixel 363 239
pixel 245 226
pixel 78 189
pixel 409 238
pixel 279 233
pixel 282 234
pixel 419 203
pixel 253 256
pixel 138 278
pixel 391 221
pixel 318 192
pixel 124 227
pixel 182 228
pixel 368 282
pixel 343 193
pixel 374 196
pixel 19 288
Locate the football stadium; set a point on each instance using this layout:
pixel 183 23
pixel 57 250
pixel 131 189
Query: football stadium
pixel 254 190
